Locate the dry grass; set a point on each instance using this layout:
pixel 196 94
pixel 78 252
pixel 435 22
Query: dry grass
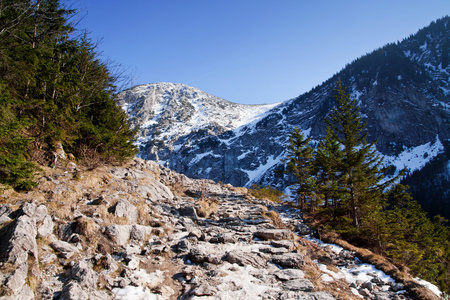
pixel 33 278
pixel 206 206
pixel 87 228
pixel 144 217
pixel 275 217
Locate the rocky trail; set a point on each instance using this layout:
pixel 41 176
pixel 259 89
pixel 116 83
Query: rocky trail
pixel 141 231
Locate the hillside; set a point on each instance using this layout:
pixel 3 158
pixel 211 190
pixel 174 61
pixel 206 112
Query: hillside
pixel 141 230
pixel 402 90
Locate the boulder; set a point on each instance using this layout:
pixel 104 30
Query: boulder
pixel 139 232
pixel 29 209
pixel 126 210
pixel 289 274
pixel 64 248
pixel 46 227
pixel 73 291
pixel 289 260
pixel 188 211
pixel 198 255
pixel 272 234
pixel 245 258
pixel 21 241
pixel 40 213
pixel 84 274
pixel 287 244
pixel 16 281
pixel 204 289
pixel 120 234
pixel 301 284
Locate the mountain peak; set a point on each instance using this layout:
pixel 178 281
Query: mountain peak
pixel 166 111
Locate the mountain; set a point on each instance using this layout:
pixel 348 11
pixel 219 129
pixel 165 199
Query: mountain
pixel 402 89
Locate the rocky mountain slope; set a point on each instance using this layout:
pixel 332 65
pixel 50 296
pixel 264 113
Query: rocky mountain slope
pixel 142 231
pixel 403 91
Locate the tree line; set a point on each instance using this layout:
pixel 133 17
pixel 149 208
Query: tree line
pixel 54 89
pixel 342 183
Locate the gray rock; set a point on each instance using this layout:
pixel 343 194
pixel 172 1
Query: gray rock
pixel 289 260
pixel 300 284
pixel 111 263
pixel 188 211
pixel 46 227
pixel 204 289
pixel 26 293
pixel 155 191
pixel 126 210
pixel 287 244
pixel 322 296
pixel 289 274
pixel 16 281
pixel 48 258
pixel 273 250
pixel 83 273
pixel 131 250
pixel 4 218
pixel 139 232
pixel 29 209
pixel 381 296
pixel 134 262
pixel 40 213
pixel 245 258
pixel 224 238
pixel 64 248
pixel 273 234
pixel 73 291
pixel 5 210
pixel 364 292
pixel 21 241
pixel 183 246
pixel 368 285
pixel 199 256
pixel 120 234
pixel 397 287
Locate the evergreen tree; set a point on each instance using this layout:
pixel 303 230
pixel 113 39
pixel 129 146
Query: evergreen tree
pixel 360 166
pixel 55 90
pixel 325 168
pixel 298 161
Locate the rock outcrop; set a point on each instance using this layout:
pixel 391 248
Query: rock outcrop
pixel 96 235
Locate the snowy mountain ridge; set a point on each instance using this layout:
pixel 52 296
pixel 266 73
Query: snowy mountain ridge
pixel 402 91
pixel 166 111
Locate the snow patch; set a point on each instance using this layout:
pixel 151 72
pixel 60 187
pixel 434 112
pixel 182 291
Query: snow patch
pixel 415 158
pixel 430 286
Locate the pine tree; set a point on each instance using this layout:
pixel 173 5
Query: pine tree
pixel 360 165
pixel 325 165
pixel 55 90
pixel 298 160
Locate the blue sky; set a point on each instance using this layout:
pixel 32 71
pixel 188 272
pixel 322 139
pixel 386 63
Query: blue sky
pixel 247 51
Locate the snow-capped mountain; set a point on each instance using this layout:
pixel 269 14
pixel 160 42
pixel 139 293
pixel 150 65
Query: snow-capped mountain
pixel 403 91
pixel 166 112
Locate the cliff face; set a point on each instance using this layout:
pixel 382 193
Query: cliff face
pixel 143 231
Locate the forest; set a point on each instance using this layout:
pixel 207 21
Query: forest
pixel 54 90
pixel 342 186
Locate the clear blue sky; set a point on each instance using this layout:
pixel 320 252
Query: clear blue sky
pixel 248 51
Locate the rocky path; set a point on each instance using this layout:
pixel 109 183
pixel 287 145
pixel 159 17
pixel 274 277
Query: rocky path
pixel 144 232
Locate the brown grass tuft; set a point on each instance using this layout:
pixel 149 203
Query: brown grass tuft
pixel 86 227
pixel 206 206
pixel 275 217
